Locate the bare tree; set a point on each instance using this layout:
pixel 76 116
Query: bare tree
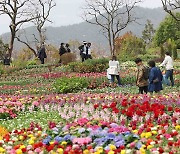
pixel 111 15
pixel 172 6
pixel 19 13
pixel 41 16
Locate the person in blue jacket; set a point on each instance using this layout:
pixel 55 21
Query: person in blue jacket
pixel 155 78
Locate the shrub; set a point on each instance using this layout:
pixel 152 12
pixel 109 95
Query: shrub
pixel 69 85
pixel 68 58
pixel 90 65
pixel 1 70
pixel 32 62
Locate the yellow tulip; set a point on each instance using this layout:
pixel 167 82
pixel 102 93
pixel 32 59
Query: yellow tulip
pixel 60 150
pixel 2 150
pixel 19 151
pixel 123 151
pixel 22 146
pixel 86 151
pixel 112 147
pixel 64 143
pixel 31 142
pixel 154 132
pixel 143 135
pixel 111 152
pixel 177 127
pixel 142 151
pixel 149 147
pixel 52 142
pixel 147 135
pixel 135 131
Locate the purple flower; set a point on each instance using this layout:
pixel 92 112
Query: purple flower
pixel 119 143
pixel 138 145
pixel 67 137
pixel 110 136
pixel 113 125
pixel 58 139
pixel 118 138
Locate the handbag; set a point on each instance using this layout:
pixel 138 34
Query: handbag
pixel 156 80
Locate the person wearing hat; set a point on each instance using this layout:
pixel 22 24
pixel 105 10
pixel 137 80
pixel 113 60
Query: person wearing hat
pixel 83 50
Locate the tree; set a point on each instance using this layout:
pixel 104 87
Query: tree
pixel 111 15
pixel 162 51
pixel 170 46
pixel 148 32
pixel 19 13
pixel 41 16
pixel 168 29
pixel 171 6
pixel 129 45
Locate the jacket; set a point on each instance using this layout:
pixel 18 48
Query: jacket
pixel 140 80
pixel 155 74
pixel 114 67
pixel 42 53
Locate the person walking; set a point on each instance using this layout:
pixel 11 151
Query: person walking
pixel 155 78
pixel 114 69
pixel 83 51
pixel 62 50
pixel 42 54
pixel 168 63
pixel 141 76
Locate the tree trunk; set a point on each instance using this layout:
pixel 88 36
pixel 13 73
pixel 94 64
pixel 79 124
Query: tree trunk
pixel 11 44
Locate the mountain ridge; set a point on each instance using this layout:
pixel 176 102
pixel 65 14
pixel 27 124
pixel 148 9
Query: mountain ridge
pixel 85 31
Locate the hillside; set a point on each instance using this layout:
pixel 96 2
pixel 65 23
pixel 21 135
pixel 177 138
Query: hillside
pixel 85 31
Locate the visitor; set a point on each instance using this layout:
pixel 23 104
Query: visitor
pixel 62 50
pixel 83 51
pixel 155 78
pixel 168 63
pixel 114 69
pixel 89 51
pixel 68 50
pixel 42 54
pixel 141 76
pixel 6 60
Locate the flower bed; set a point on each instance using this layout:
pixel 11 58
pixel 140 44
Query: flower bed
pixel 92 136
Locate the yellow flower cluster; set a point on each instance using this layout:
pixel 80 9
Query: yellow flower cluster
pixel 3 132
pixel 2 150
pixel 146 135
pixel 177 127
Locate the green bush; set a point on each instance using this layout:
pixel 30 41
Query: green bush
pixel 90 65
pixel 69 85
pixel 1 70
pixel 32 62
pixel 148 57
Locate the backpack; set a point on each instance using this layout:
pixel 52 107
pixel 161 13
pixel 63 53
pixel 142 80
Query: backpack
pixel 146 72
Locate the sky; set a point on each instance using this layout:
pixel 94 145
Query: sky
pixel 68 12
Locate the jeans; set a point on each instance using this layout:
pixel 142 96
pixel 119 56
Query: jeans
pixel 117 77
pixel 143 89
pixel 169 74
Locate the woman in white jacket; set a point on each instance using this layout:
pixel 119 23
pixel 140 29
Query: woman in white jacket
pixel 114 69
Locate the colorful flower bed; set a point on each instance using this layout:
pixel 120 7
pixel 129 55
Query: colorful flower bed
pixel 92 136
pixel 36 120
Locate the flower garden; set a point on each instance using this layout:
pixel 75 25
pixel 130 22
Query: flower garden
pixel 68 112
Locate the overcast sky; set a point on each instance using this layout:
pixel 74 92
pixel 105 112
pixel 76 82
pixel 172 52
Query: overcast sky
pixel 68 12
